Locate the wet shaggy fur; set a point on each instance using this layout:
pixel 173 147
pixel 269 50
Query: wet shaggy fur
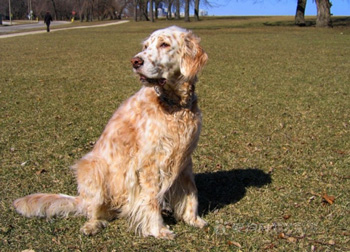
pixel 142 161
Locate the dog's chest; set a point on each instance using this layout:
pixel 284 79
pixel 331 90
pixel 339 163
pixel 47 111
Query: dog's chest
pixel 176 139
pixel 170 132
pixel 167 137
pixel 141 129
pixel 184 125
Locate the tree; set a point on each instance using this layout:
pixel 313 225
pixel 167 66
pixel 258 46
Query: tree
pixel 156 5
pixel 151 10
pixel 19 8
pixel 177 13
pixel 144 9
pixel 196 10
pixel 135 3
pixel 170 4
pixel 62 9
pixel 300 13
pixel 121 6
pixel 54 8
pixel 187 10
pixel 323 13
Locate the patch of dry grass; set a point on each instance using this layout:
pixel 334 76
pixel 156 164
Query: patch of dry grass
pixel 275 139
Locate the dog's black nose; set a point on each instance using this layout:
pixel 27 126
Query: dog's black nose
pixel 136 62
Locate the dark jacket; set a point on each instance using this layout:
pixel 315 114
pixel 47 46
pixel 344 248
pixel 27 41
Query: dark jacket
pixel 48 18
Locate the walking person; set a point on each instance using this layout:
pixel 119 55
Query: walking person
pixel 47 20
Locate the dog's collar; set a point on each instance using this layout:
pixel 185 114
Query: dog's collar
pixel 175 101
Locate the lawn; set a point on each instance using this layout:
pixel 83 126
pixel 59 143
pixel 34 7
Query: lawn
pixel 272 164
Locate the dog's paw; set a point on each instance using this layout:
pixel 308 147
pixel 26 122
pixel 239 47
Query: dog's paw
pixel 196 222
pixel 161 233
pixel 166 233
pixel 200 223
pixel 92 227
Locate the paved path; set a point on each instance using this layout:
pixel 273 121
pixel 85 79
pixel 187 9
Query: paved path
pixel 42 25
pixel 6 27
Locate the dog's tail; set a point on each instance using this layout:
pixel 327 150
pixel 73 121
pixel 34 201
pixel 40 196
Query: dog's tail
pixel 48 205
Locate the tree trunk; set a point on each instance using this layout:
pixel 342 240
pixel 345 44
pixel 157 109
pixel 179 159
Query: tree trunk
pixel 156 13
pixel 168 15
pixel 135 10
pixel 323 13
pixel 196 10
pixel 156 3
pixel 151 10
pixel 121 10
pixel 177 3
pixel 300 14
pixel 91 16
pixel 54 8
pixel 145 10
pixel 187 10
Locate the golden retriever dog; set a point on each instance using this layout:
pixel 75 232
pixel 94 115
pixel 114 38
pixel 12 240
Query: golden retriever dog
pixel 142 161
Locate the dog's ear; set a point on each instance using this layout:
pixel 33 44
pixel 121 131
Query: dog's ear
pixel 193 57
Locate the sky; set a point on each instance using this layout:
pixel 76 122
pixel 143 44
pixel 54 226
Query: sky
pixel 270 7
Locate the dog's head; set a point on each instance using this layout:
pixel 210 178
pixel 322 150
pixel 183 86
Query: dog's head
pixel 169 54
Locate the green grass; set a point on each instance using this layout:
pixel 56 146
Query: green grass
pixel 276 120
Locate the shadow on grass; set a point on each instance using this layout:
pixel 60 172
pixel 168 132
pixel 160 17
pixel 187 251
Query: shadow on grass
pixel 336 22
pixel 341 21
pixel 308 23
pixel 218 189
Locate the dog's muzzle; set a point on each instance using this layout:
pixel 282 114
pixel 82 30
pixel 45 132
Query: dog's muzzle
pixel 136 62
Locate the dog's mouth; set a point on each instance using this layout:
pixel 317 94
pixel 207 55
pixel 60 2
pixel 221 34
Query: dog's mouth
pixel 160 81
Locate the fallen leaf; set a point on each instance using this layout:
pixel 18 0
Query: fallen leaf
pixel 56 241
pixel 292 239
pixel 331 242
pixel 287 216
pixel 327 198
pixel 234 243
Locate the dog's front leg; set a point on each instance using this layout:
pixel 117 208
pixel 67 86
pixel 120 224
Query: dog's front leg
pixel 147 217
pixel 183 198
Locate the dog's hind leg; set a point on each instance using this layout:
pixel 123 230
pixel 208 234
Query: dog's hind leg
pixel 91 175
pixel 96 222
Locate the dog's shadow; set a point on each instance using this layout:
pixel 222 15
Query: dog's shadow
pixel 218 189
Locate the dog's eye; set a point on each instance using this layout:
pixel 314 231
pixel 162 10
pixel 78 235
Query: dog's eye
pixel 164 45
pixel 145 47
